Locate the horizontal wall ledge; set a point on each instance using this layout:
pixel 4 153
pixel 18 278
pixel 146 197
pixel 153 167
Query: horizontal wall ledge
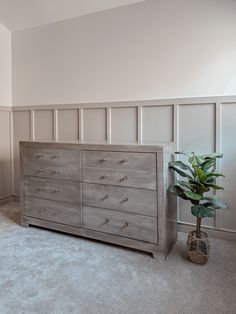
pixel 6 108
pixel 142 103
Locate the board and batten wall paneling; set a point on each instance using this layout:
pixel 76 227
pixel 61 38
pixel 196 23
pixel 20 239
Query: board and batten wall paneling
pixel 157 124
pixel 202 125
pixel 68 126
pixel 21 131
pixel 43 124
pixel 196 133
pixel 227 218
pixel 5 155
pixel 94 125
pixel 124 127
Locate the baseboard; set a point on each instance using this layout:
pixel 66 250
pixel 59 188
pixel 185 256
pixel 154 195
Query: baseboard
pixel 214 233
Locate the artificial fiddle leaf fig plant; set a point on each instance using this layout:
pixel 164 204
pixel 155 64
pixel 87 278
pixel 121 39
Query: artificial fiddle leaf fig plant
pixel 199 178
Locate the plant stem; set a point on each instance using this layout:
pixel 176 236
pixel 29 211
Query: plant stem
pixel 198 231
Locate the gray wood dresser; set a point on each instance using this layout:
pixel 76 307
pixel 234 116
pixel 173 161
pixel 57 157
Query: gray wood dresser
pixel 112 193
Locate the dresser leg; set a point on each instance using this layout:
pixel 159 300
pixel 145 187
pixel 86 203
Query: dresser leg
pixel 24 224
pixel 159 257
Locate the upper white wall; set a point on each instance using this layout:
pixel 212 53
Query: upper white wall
pixel 5 66
pixel 153 49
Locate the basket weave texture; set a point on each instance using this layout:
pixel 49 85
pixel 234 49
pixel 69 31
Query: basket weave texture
pixel 198 248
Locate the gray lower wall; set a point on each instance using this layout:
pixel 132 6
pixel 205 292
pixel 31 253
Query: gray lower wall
pixel 202 125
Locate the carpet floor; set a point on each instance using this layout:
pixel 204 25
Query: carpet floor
pixel 48 272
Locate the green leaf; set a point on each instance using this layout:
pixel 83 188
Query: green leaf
pixel 206 165
pixel 201 174
pixel 193 196
pixel 180 165
pixel 214 186
pixel 185 153
pixel 201 211
pixel 177 190
pixel 214 155
pixel 185 184
pixel 218 203
pixel 215 174
pixel 180 172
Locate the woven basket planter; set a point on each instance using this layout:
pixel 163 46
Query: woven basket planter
pixel 198 248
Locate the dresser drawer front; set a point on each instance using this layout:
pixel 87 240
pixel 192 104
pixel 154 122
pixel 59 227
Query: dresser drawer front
pixel 122 224
pixel 65 213
pixel 59 171
pixel 130 200
pixel 59 190
pixel 51 155
pixel 119 160
pixel 135 179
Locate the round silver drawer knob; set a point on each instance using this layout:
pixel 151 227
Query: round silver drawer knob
pixel 106 197
pixel 57 171
pixel 125 225
pixel 42 188
pixel 41 170
pixel 42 210
pixel 124 178
pixel 105 159
pixel 56 190
pixel 56 156
pixel 126 199
pixel 106 221
pixel 124 160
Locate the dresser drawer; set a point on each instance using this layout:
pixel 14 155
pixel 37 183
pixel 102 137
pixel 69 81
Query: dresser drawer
pixel 65 213
pixel 122 224
pixel 131 200
pixel 119 160
pixel 67 191
pixel 51 155
pixel 50 170
pixel 127 178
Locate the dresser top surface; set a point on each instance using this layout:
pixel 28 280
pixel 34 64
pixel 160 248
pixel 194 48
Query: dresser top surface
pixel 162 147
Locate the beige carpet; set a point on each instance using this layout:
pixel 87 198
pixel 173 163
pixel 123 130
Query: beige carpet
pixel 48 272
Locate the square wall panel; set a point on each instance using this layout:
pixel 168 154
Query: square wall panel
pixel 68 124
pixel 196 133
pixel 157 124
pixel 43 124
pixel 94 125
pixel 227 217
pixel 124 125
pixel 21 132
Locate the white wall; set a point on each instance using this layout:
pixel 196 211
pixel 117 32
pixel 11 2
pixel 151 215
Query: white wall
pixel 150 50
pixel 5 100
pixel 5 66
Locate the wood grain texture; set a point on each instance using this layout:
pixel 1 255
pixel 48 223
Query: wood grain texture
pixel 119 160
pixel 60 212
pixel 58 190
pixel 127 178
pixel 54 156
pixel 123 224
pixel 133 198
pixel 129 200
pixel 53 171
